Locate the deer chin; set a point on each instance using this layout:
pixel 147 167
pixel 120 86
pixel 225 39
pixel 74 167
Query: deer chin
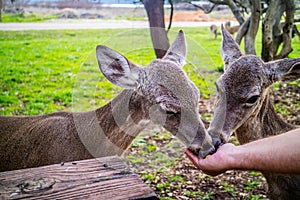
pixel 202 151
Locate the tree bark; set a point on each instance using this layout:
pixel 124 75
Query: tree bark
pixel 287 29
pixel 205 10
pixel 233 7
pixel 155 13
pixel 277 27
pixel 242 31
pixel 273 34
pixel 267 30
pixel 235 10
pixel 171 15
pixel 0 10
pixel 253 27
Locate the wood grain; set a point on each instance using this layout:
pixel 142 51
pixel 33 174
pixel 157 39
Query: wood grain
pixel 101 178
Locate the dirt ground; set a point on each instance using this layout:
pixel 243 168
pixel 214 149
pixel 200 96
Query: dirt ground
pixel 200 16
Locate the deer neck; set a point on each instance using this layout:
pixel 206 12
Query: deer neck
pixel 113 127
pixel 262 123
pixel 123 118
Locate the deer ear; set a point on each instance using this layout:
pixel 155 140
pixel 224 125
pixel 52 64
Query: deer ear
pixel 177 51
pixel 284 69
pixel 230 50
pixel 116 68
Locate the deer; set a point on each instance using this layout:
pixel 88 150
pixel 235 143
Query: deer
pixel 231 29
pixel 213 31
pixel 158 93
pixel 244 106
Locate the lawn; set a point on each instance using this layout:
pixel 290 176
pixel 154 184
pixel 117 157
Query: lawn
pixel 26 17
pixel 47 71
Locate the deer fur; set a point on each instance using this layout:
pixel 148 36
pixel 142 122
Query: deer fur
pixel 231 29
pixel 244 106
pixel 213 31
pixel 158 93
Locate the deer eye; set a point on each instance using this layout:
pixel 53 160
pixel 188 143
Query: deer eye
pixel 252 99
pixel 170 113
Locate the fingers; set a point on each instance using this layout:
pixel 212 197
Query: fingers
pixel 192 157
pixel 198 161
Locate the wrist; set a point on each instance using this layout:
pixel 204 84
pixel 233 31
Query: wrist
pixel 238 158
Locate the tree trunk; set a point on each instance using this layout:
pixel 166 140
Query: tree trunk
pixel 0 10
pixel 267 31
pixel 253 27
pixel 155 12
pixel 277 27
pixel 287 29
pixel 242 31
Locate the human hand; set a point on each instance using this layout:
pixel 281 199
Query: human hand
pixel 217 163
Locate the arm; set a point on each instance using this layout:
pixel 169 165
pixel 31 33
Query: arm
pixel 280 153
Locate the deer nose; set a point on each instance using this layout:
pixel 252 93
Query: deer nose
pixel 201 151
pixel 217 143
pixel 204 150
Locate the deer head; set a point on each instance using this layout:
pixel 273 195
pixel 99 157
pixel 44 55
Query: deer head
pixel 244 86
pixel 170 98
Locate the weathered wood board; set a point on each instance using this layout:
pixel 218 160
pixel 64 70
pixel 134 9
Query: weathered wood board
pixel 106 178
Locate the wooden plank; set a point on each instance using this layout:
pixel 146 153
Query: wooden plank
pixel 101 178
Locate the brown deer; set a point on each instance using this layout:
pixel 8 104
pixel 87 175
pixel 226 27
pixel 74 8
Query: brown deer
pixel 244 106
pixel 158 93
pixel 231 29
pixel 213 31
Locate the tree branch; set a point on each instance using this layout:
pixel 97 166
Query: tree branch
pixel 171 15
pixel 287 30
pixel 253 27
pixel 277 28
pixel 219 2
pixel 267 28
pixel 0 10
pixel 242 30
pixel 295 31
pixel 206 11
pixel 235 10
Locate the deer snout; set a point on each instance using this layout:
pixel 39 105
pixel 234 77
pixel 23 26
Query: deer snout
pixel 204 149
pixel 217 143
pixel 207 149
pixel 202 152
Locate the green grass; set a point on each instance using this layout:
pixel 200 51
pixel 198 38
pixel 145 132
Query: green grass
pixel 26 17
pixel 47 71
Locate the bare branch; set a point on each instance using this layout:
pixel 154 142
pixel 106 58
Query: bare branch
pixel 171 15
pixel 206 11
pixel 277 28
pixel 287 30
pixel 219 2
pixel 267 28
pixel 235 10
pixel 0 10
pixel 295 31
pixel 242 31
pixel 243 5
pixel 253 27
